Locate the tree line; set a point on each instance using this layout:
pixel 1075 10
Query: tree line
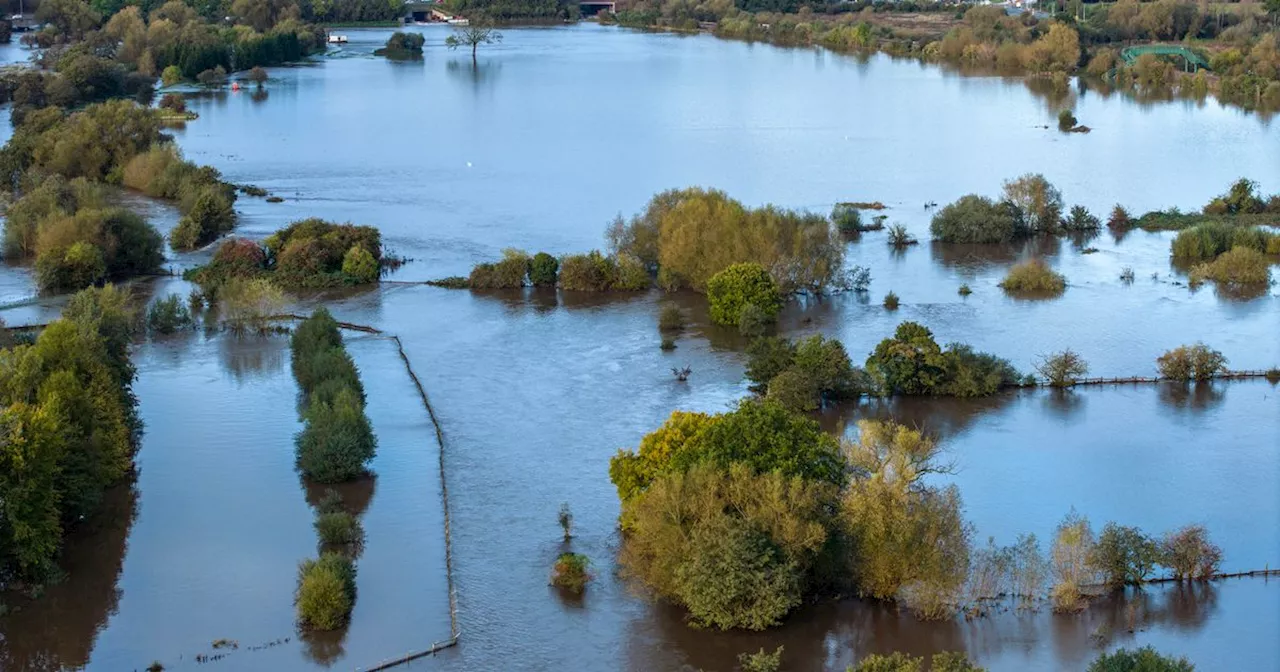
pixel 740 517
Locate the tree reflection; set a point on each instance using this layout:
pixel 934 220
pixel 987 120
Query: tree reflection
pixel 1063 403
pixel 324 648
pixel 252 356
pixel 1196 397
pixel 56 630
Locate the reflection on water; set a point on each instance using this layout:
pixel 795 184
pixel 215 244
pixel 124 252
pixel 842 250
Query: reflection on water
pixel 1196 397
pixel 251 356
pixel 58 629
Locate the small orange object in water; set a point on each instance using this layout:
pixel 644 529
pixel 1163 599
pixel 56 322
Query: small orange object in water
pixel 235 86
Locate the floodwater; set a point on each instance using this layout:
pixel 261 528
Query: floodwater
pixel 552 134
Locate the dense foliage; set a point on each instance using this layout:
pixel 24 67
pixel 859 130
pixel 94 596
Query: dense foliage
pixel 687 236
pixel 739 287
pixel 326 591
pixel 1191 362
pixel 975 219
pixel 336 442
pixel 68 431
pixel 309 253
pixel 912 363
pixel 1034 276
pixel 1145 659
pixel 803 375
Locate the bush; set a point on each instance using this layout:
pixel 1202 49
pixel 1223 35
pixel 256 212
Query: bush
pixel 171 75
pixel 359 266
pixel 168 315
pixel 542 270
pixel 174 102
pixel 338 528
pixel 1081 220
pixel 730 291
pixel 410 43
pixel 1191 362
pixel 1145 659
pixel 1072 558
pixel 735 577
pixel 671 318
pixel 1119 219
pixel 1237 267
pixel 689 235
pixel 1189 553
pixel 337 441
pixel 761 661
pixel 76 267
pixel 964 290
pixel 1062 369
pixel 591 272
pixel 326 592
pixel 209 217
pixel 847 218
pixel 1037 202
pixel 901 662
pixel 900 238
pixel 312 252
pixel 1208 240
pixel 247 303
pixel 506 274
pixel 975 374
pixel 1124 555
pixel 1034 276
pixel 766 358
pixel 891 301
pixel 571 572
pixel 257 75
pixel 1066 121
pixel 974 219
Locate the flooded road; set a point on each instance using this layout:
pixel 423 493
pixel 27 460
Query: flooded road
pixel 553 134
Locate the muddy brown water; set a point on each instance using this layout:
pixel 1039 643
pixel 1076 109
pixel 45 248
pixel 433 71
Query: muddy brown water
pixel 555 132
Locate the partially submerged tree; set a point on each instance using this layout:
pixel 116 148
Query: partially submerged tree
pixel 473 35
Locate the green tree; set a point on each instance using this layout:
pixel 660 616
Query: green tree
pixel 731 290
pixel 974 219
pixel 542 270
pixel 1038 203
pixel 910 362
pixel 359 265
pixel 32 449
pixel 1125 555
pixel 735 577
pixel 337 441
pixel 326 591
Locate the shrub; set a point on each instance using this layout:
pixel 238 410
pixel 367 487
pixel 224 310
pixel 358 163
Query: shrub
pixel 761 661
pixel 565 518
pixel 209 217
pixel 171 75
pixel 542 270
pixel 571 572
pixel 671 318
pixel 337 441
pixel 631 274
pixel 1066 121
pixel 326 591
pixel 314 335
pixel 359 266
pixel 910 362
pixel 1191 362
pixel 1189 553
pixel 894 662
pixel 1081 220
pixel 247 303
pixel 900 238
pixel 338 528
pixel 168 315
pixel 847 218
pixel 964 290
pixel 405 43
pixel 1037 202
pixel 173 101
pixel 974 219
pixel 754 321
pixel 238 258
pixel 975 374
pixel 1124 555
pixel 730 291
pixel 1072 559
pixel 891 301
pixel 766 358
pixel 1062 369
pixel 76 267
pixel 1145 659
pixel 1237 267
pixel 591 272
pixel 1119 219
pixel 689 235
pixel 257 75
pixel 506 274
pixel 213 76
pixel 1034 276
